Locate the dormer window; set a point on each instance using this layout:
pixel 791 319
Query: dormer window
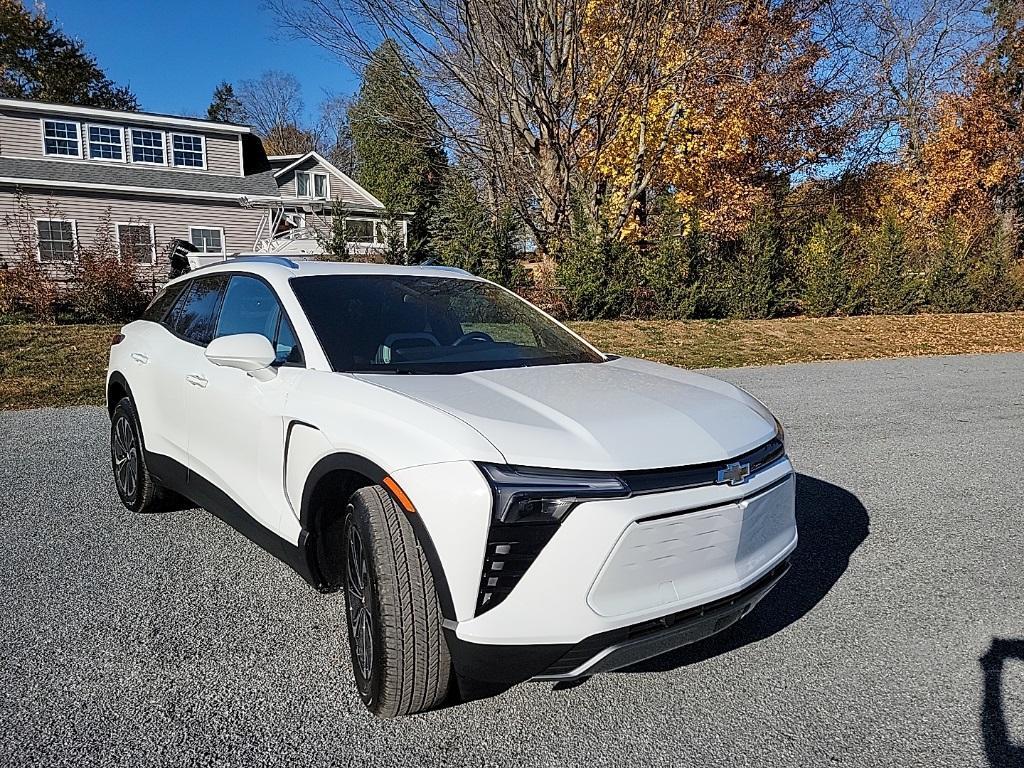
pixel 188 151
pixel 61 139
pixel 105 142
pixel 314 185
pixel 147 146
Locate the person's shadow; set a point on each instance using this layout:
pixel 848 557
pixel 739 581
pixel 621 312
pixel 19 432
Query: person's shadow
pixel 831 523
pixel 1001 752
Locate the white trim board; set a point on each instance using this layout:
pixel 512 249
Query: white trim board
pixel 161 191
pixel 76 113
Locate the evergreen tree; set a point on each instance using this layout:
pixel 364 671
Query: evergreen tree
pixel 38 61
pixel 465 233
pixel 225 107
pixel 758 281
pixel 398 157
pixel 828 287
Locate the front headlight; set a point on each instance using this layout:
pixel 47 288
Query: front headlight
pixel 532 495
pixel 780 431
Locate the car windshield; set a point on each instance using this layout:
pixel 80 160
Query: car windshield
pixel 415 324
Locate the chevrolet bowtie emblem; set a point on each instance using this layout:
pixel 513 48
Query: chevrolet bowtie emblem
pixel 734 473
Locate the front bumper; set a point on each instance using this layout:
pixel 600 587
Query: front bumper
pixel 625 580
pixel 487 669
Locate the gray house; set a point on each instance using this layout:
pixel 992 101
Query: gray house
pixel 66 171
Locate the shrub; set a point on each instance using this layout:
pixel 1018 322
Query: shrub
pixel 332 241
pixel 106 287
pixel 591 269
pixel 468 235
pixel 891 286
pixel 997 280
pixel 25 288
pixel 948 280
pixel 757 280
pixel 826 268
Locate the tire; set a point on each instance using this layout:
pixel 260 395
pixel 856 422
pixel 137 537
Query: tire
pixel 399 655
pixel 136 487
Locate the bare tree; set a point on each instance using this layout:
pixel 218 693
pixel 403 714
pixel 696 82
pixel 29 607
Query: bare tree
pixel 534 90
pixel 896 58
pixel 272 104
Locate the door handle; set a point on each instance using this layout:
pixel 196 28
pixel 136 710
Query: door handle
pixel 196 380
pixel 140 358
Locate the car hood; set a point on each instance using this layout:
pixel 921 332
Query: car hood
pixel 619 415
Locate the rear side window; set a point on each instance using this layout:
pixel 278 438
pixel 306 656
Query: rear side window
pixel 251 306
pixel 164 300
pixel 195 316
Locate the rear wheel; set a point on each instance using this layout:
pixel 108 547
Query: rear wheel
pixel 135 486
pixel 399 656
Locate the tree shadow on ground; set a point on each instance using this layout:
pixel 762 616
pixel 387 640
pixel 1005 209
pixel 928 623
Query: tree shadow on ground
pixel 832 523
pixel 999 750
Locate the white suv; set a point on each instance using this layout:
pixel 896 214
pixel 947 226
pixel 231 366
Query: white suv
pixel 498 500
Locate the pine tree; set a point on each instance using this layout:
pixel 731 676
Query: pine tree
pixel 38 61
pixel 398 157
pixel 225 107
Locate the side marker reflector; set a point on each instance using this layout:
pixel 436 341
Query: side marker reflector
pixel 399 494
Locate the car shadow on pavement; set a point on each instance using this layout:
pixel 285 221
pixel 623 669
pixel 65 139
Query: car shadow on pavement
pixel 832 523
pixel 999 750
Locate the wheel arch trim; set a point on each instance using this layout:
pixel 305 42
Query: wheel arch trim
pixel 353 462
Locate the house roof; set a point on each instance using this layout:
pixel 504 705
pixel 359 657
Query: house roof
pixel 360 193
pixel 117 177
pixel 131 117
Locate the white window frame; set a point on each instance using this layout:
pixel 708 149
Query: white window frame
pixel 327 185
pixel 86 141
pixel 131 146
pixel 74 242
pixel 152 239
pixel 309 186
pixel 373 230
pixel 202 151
pixel 223 240
pixel 42 133
pixel 382 223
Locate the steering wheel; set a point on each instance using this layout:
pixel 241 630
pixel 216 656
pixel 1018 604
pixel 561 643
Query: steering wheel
pixel 473 337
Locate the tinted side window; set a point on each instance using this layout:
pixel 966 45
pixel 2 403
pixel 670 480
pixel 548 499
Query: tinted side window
pixel 288 350
pixel 195 317
pixel 164 300
pixel 251 306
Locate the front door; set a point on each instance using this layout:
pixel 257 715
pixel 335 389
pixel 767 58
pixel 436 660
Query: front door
pixel 237 424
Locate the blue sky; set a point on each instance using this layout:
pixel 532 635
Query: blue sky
pixel 173 54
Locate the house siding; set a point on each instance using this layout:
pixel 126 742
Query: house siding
pixel 341 188
pixel 21 135
pixel 171 218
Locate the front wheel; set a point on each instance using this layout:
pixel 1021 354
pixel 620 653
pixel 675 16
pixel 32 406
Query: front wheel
pixel 399 656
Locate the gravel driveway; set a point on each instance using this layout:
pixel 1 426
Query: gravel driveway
pixel 897 638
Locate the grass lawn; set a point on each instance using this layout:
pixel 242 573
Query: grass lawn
pixel 65 364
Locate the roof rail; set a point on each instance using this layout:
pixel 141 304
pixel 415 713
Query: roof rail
pixel 279 260
pixel 446 268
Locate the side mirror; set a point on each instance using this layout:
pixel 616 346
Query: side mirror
pixel 249 352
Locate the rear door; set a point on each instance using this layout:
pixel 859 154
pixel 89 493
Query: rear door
pixel 189 327
pixel 143 365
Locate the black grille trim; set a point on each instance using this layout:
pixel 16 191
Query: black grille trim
pixel 587 649
pixel 511 550
pixel 645 481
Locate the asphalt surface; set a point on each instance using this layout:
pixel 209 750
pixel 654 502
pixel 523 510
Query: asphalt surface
pixel 897 638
